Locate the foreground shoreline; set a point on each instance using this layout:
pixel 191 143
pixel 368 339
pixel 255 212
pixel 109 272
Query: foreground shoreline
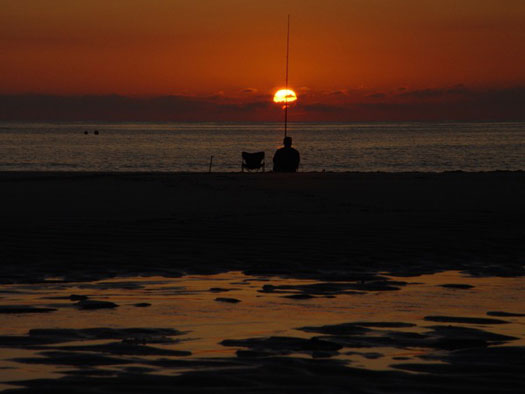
pixel 63 232
pixel 305 224
pixel 267 172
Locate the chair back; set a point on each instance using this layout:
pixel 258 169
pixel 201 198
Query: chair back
pixel 252 161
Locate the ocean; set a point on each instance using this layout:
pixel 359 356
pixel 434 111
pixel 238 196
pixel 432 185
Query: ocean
pixel 390 147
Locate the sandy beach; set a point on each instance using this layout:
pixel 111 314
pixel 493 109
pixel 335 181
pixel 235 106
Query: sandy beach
pixel 307 224
pixel 227 282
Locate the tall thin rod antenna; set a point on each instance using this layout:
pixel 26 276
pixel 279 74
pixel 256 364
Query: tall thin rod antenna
pixel 287 50
pixel 287 62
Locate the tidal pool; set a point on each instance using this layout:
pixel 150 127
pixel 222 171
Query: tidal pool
pixel 389 318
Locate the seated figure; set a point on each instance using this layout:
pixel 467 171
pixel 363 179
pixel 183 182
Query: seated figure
pixel 286 159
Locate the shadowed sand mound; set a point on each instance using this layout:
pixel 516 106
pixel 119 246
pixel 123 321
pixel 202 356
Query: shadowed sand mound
pixel 309 224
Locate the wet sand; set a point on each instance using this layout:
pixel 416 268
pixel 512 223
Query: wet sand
pixel 408 333
pixel 349 256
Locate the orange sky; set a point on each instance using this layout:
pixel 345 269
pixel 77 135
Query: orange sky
pixel 236 48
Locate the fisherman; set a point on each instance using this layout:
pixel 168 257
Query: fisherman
pixel 286 159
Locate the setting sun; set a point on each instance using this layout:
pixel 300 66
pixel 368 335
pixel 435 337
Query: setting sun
pixel 285 96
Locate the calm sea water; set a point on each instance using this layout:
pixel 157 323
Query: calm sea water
pixel 323 146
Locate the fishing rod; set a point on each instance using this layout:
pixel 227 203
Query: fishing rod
pixel 287 63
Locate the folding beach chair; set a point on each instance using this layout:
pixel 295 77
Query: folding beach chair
pixel 252 161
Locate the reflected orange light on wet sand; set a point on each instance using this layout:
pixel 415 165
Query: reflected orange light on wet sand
pixel 190 305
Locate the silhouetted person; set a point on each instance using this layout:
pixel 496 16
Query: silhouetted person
pixel 286 159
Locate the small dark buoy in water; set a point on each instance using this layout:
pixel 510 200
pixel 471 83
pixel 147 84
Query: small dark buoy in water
pixel 86 133
pixel 96 132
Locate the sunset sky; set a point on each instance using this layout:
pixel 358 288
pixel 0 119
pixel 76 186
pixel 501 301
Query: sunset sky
pixel 223 59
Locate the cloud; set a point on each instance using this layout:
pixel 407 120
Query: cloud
pixel 446 104
pixel 339 92
pixel 324 108
pixel 436 93
pixel 118 108
pixel 377 95
pixel 249 90
pixel 453 103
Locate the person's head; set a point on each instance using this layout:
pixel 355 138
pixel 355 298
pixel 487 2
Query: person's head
pixel 287 142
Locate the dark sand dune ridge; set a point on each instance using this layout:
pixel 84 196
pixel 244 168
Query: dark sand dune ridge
pixel 88 225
